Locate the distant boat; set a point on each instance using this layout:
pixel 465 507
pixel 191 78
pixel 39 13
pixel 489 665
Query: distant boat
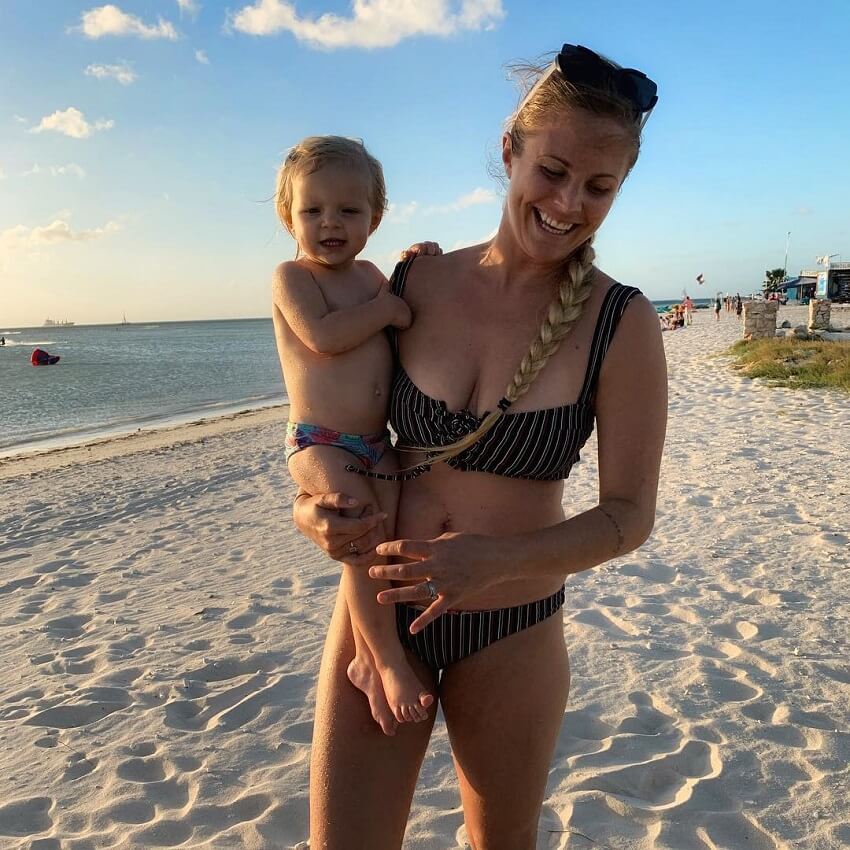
pixel 124 323
pixel 50 323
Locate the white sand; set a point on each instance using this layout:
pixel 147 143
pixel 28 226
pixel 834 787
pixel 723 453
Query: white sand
pixel 162 624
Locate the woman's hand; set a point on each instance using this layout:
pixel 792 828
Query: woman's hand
pixel 458 566
pixel 428 248
pixel 349 539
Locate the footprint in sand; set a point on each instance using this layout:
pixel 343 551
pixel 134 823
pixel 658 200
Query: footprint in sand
pixel 659 573
pixel 17 584
pixel 26 817
pixel 67 627
pixel 252 615
pixel 79 765
pixel 93 704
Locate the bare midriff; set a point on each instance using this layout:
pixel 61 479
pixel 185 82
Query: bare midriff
pixel 449 500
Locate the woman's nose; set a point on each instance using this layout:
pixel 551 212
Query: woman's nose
pixel 570 199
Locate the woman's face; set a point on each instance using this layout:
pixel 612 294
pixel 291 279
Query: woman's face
pixel 564 182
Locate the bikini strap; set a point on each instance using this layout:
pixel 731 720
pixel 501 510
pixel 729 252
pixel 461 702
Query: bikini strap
pixel 399 276
pixel 397 281
pixel 614 304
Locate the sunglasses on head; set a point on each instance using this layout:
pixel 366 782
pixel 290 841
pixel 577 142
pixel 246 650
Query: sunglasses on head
pixel 583 67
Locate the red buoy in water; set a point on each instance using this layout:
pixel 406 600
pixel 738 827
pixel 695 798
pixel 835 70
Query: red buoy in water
pixel 40 357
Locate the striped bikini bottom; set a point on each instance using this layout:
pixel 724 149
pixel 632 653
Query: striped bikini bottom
pixel 457 634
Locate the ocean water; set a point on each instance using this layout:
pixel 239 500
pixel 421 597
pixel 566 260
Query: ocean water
pixel 117 379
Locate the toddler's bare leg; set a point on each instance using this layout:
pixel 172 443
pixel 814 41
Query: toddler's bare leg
pixel 322 469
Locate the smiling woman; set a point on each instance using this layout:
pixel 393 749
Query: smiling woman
pixel 519 347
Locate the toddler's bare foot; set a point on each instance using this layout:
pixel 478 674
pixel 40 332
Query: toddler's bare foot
pixel 407 700
pixel 363 674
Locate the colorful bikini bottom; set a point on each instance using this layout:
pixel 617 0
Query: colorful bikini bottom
pixel 367 448
pixel 457 634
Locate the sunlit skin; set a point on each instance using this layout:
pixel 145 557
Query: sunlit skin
pixel 331 215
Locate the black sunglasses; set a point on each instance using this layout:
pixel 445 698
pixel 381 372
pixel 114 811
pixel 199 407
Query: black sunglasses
pixel 582 66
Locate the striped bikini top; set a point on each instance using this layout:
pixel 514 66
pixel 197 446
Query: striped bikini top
pixel 537 444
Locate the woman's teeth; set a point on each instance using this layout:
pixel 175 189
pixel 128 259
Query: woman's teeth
pixel 552 225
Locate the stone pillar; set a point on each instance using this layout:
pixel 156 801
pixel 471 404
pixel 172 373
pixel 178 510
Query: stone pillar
pixel 819 315
pixel 760 319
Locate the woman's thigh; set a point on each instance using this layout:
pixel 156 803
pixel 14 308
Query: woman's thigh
pixel 504 706
pixel 361 781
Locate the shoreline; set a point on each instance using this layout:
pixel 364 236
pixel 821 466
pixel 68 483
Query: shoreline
pixel 108 446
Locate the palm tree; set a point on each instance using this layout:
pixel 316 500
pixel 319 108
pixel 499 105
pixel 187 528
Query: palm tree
pixel 772 279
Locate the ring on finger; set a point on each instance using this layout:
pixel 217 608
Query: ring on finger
pixel 431 588
pixel 353 549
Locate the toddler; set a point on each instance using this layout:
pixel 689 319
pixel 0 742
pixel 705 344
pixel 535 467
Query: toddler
pixel 330 311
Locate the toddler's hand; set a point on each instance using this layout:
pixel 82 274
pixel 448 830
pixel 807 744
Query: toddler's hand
pixel 403 318
pixel 427 248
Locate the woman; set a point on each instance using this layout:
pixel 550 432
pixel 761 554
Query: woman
pixel 481 528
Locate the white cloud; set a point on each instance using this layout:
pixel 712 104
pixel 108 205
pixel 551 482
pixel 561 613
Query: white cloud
pixel 373 23
pixel 190 7
pixel 123 73
pixel 19 119
pixel 71 123
pixel 470 199
pixel 110 20
pixel 463 243
pixel 56 170
pixel 201 56
pixel 22 238
pixel 399 213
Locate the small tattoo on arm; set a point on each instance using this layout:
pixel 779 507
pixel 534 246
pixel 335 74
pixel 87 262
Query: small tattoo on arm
pixel 621 541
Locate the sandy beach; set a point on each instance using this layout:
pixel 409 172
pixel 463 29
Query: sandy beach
pixel 162 624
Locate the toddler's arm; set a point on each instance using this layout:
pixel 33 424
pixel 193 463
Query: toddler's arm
pixel 299 299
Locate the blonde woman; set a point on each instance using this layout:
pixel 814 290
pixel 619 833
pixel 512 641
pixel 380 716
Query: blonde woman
pixel 520 346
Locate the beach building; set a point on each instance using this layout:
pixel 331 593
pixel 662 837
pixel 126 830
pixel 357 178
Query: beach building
pixel 831 282
pixel 799 290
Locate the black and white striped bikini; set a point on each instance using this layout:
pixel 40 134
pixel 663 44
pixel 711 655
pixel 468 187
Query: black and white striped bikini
pixel 537 444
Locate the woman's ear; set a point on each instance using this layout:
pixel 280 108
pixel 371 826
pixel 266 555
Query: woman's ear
pixel 507 153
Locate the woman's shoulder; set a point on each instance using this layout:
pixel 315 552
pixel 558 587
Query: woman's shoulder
pixel 427 271
pixel 631 314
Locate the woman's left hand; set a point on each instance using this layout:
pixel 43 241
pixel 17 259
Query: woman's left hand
pixel 458 566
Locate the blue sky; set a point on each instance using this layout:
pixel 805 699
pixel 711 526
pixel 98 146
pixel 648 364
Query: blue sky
pixel 139 140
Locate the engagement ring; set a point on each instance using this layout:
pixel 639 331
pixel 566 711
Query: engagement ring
pixel 432 590
pixel 353 549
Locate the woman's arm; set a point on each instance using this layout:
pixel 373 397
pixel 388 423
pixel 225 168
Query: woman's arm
pixel 318 518
pixel 631 410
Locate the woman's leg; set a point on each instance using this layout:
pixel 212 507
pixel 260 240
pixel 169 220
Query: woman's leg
pixel 361 781
pixel 504 706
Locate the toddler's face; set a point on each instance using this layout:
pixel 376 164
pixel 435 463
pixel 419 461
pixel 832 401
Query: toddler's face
pixel 331 214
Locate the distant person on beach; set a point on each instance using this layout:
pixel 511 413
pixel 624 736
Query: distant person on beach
pixel 689 310
pixel 739 307
pixel 519 346
pixel 717 307
pixel 330 312
pixel 2 340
